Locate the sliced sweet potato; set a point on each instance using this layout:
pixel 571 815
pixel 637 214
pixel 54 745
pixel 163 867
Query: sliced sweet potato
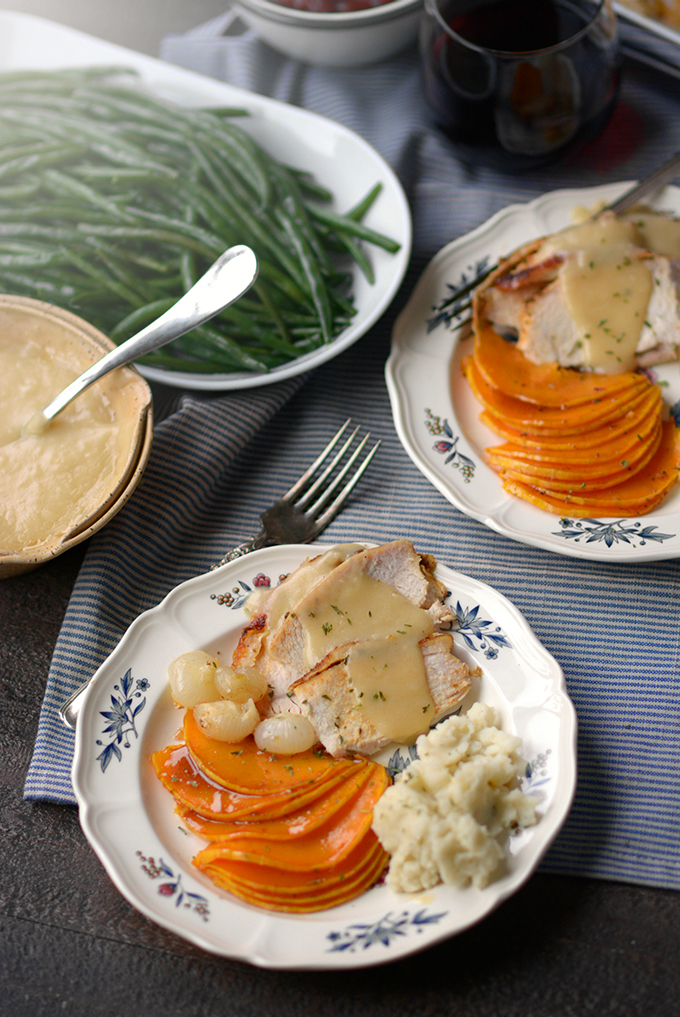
pixel 321 897
pixel 535 419
pixel 196 793
pixel 637 496
pixel 244 768
pixel 643 410
pixel 297 823
pixel 505 368
pixel 582 509
pixel 288 883
pixel 611 448
pixel 600 433
pixel 302 892
pixel 549 482
pixel 596 474
pixel 320 849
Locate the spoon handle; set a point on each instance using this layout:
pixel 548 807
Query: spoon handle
pixel 668 171
pixel 225 281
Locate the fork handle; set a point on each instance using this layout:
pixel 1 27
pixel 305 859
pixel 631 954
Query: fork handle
pixel 253 544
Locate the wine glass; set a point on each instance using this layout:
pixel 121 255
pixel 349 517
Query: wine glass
pixel 514 85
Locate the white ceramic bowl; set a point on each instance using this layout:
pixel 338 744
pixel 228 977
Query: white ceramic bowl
pixel 346 39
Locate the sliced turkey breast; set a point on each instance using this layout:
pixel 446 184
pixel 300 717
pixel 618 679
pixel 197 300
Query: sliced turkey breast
pixel 328 699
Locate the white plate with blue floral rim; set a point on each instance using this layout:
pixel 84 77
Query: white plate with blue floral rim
pixel 437 417
pixel 129 818
pixel 337 157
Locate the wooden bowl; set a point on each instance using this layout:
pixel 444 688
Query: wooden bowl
pixel 58 488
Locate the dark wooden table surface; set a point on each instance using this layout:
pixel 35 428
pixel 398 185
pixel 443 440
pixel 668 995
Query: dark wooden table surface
pixel 70 944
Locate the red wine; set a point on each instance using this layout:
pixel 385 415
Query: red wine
pixel 515 84
pixel 511 27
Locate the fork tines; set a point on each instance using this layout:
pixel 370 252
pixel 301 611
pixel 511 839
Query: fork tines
pixel 314 494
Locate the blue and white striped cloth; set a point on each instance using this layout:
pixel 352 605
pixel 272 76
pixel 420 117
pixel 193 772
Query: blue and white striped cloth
pixel 218 460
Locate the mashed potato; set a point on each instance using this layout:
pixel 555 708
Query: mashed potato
pixel 442 819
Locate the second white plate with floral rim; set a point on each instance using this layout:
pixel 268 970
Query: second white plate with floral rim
pixel 129 818
pixel 437 417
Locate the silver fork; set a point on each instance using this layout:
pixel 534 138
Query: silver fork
pixel 300 516
pixel 304 511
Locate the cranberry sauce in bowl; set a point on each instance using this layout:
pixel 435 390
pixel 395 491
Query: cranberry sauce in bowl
pixel 331 6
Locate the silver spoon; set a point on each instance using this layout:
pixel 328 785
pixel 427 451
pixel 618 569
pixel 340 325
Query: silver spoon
pixel 226 280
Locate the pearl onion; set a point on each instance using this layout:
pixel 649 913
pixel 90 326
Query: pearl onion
pixel 240 684
pixel 192 678
pixel 227 721
pixel 285 733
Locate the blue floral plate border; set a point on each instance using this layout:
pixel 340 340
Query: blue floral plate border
pixel 130 821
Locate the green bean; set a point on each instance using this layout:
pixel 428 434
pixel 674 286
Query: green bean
pixel 225 347
pixel 24 190
pixel 169 236
pixel 35 259
pixel 311 270
pixel 355 251
pixel 40 287
pixel 360 210
pixel 65 185
pixel 112 173
pixel 235 149
pixel 262 237
pixel 108 257
pixel 140 317
pixel 309 185
pixel 356 229
pixel 49 154
pixel 87 268
pixel 291 200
